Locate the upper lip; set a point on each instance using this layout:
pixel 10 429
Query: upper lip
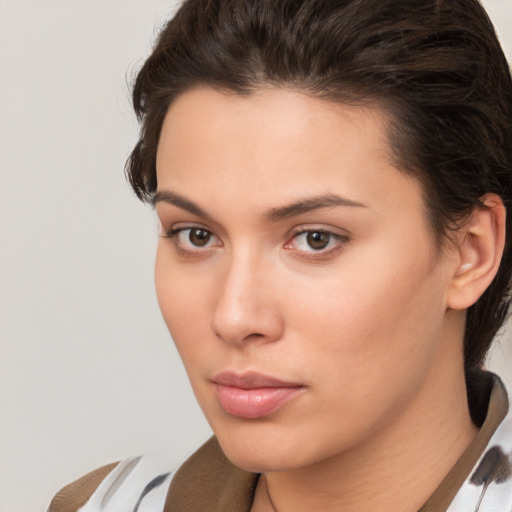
pixel 251 380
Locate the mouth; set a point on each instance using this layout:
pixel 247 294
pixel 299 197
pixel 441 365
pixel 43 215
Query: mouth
pixel 253 395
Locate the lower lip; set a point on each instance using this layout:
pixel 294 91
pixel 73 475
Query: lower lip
pixel 254 403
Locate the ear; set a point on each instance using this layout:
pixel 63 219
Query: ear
pixel 480 245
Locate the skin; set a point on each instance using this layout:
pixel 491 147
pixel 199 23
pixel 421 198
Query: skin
pixel 364 325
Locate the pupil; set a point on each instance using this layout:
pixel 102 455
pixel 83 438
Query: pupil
pixel 199 237
pixel 318 240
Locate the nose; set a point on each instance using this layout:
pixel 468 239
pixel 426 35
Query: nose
pixel 246 308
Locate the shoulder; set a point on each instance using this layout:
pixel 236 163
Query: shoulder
pixel 76 494
pixel 131 485
pixel 483 475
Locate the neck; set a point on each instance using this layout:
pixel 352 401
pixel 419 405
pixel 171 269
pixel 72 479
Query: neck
pixel 396 469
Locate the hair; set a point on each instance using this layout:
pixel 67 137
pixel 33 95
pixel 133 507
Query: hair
pixel 435 66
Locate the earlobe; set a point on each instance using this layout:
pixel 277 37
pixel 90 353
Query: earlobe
pixel 480 244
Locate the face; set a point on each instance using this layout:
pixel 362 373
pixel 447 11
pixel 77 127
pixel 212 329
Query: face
pixel 296 273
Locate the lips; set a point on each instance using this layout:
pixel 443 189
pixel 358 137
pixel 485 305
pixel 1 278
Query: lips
pixel 253 395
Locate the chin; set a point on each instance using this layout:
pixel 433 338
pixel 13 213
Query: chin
pixel 257 460
pixel 263 451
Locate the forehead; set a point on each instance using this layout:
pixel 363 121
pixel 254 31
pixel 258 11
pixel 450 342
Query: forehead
pixel 275 146
pixel 269 112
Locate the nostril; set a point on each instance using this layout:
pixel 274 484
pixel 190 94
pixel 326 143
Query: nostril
pixel 255 335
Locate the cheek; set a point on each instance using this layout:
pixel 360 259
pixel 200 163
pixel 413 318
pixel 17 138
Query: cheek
pixel 181 299
pixel 376 315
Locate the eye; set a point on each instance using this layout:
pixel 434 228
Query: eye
pixel 316 240
pixel 197 237
pixel 193 239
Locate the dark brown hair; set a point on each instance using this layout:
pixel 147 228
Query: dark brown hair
pixel 434 65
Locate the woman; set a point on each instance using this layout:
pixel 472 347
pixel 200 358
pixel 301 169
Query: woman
pixel 331 180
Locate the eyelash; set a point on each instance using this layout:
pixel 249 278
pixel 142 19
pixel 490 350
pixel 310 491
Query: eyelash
pixel 338 240
pixel 174 235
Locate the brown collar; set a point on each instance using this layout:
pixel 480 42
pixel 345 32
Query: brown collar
pixel 496 412
pixel 208 481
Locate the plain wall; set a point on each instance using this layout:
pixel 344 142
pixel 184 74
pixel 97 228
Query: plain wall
pixel 88 373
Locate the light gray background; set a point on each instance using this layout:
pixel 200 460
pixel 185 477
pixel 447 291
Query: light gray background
pixel 88 373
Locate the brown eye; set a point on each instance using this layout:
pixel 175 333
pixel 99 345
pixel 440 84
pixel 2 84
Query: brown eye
pixel 193 240
pixel 199 237
pixel 317 243
pixel 318 240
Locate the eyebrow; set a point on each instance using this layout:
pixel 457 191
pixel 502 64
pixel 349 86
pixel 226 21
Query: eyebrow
pixel 310 204
pixel 277 214
pixel 166 196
